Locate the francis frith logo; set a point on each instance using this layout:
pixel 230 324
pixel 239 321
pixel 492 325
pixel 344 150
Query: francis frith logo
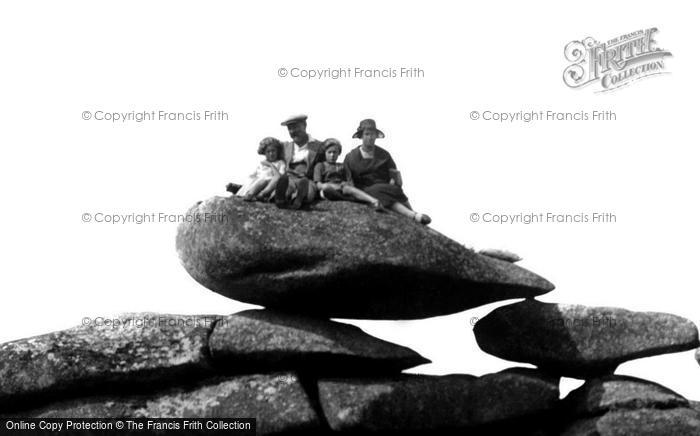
pixel 615 63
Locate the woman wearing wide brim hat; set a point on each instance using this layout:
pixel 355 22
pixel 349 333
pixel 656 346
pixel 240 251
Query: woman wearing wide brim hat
pixel 369 125
pixel 373 170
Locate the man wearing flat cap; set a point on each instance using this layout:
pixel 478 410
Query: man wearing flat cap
pixel 301 155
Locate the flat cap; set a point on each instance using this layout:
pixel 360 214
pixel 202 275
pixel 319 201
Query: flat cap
pixel 294 119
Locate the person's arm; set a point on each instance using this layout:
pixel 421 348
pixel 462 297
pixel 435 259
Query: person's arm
pixel 273 167
pixel 348 172
pixel 347 178
pixel 394 173
pixel 270 187
pixel 313 158
pixel 318 176
pixel 275 178
pixel 396 177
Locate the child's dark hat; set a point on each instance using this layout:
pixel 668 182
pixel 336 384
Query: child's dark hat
pixel 331 142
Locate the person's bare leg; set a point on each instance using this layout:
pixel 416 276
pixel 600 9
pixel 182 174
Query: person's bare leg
pixel 259 186
pixel 359 195
pixel 255 189
pixel 265 193
pixel 403 210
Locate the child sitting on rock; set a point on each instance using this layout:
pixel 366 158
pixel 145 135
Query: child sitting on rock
pixel 331 178
pixel 262 182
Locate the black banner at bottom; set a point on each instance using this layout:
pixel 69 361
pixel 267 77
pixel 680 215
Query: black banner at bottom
pixel 127 426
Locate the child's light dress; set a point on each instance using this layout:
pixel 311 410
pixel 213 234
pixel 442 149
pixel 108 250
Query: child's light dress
pixel 262 172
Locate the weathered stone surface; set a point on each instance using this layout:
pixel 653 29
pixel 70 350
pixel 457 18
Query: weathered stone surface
pixel 580 341
pixel 642 422
pixel 277 401
pixel 341 260
pixel 264 339
pixel 695 405
pixel 132 348
pixel 616 392
pixel 497 253
pixel 418 403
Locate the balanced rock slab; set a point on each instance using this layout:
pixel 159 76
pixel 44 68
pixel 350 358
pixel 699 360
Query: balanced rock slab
pixel 641 422
pixel 421 403
pixel 269 340
pixel 340 260
pixel 617 392
pixel 579 341
pixel 130 349
pixel 277 401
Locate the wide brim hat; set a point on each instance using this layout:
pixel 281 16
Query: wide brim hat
pixel 266 142
pixel 331 142
pixel 294 119
pixel 367 124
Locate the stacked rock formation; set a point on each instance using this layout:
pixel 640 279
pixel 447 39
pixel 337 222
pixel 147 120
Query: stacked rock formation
pixel 589 343
pixel 345 260
pixel 298 372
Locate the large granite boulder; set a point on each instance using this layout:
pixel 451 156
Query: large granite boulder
pixel 138 349
pixel 640 422
pixel 420 403
pixel 145 351
pixel 617 392
pixel 267 340
pixel 278 402
pixel 579 341
pixel 340 260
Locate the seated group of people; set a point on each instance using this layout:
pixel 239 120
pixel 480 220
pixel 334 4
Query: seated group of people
pixel 298 172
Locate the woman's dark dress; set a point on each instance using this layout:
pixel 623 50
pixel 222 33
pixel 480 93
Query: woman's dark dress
pixel 373 175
